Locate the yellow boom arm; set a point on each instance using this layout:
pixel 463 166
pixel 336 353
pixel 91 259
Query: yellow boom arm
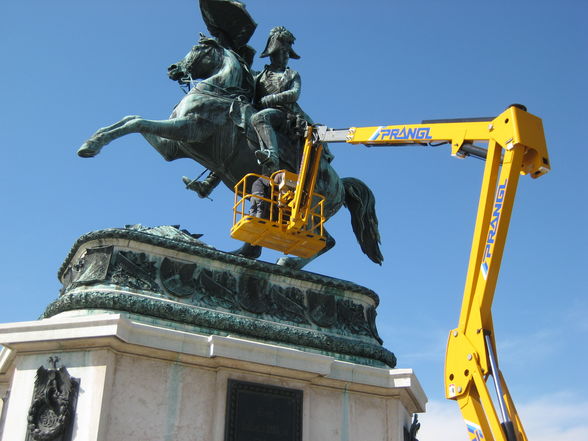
pixel 515 145
pixel 309 165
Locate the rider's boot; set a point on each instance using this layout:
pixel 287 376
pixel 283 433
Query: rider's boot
pixel 268 158
pixel 268 153
pixel 202 188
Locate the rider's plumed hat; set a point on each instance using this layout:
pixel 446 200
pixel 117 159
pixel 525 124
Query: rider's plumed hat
pixel 280 38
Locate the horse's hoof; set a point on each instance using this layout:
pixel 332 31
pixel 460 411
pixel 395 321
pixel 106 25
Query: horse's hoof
pixel 291 262
pixel 249 251
pixel 88 150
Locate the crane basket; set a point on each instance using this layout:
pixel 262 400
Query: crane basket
pixel 275 229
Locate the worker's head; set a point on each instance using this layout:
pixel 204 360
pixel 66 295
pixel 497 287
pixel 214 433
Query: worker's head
pixel 280 40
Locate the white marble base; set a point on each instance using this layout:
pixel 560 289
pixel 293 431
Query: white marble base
pixel 145 382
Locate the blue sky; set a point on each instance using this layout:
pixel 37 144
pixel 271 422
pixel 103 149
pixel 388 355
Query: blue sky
pixel 71 67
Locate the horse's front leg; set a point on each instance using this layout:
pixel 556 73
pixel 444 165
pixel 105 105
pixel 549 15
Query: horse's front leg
pixel 187 129
pixel 92 147
pixel 116 124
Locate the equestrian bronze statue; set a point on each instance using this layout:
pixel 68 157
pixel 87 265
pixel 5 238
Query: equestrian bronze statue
pixel 215 124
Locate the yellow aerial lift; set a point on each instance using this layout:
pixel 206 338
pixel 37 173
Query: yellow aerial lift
pixel 295 221
pixel 515 145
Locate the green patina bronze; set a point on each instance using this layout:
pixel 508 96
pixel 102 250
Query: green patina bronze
pixel 167 274
pixel 234 121
pixel 237 121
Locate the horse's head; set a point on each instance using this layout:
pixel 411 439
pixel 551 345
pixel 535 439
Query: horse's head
pixel 201 62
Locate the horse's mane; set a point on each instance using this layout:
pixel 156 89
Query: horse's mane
pixel 243 75
pixel 233 76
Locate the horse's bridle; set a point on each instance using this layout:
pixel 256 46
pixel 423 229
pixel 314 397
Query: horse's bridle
pixel 187 79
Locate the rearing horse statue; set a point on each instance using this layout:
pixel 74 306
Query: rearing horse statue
pixel 211 125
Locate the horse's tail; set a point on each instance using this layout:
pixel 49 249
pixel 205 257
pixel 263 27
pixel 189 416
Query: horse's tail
pixel 361 203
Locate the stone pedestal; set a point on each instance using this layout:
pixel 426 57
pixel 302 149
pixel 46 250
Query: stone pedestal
pixel 171 340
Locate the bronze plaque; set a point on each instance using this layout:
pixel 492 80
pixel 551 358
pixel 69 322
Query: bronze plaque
pixel 259 412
